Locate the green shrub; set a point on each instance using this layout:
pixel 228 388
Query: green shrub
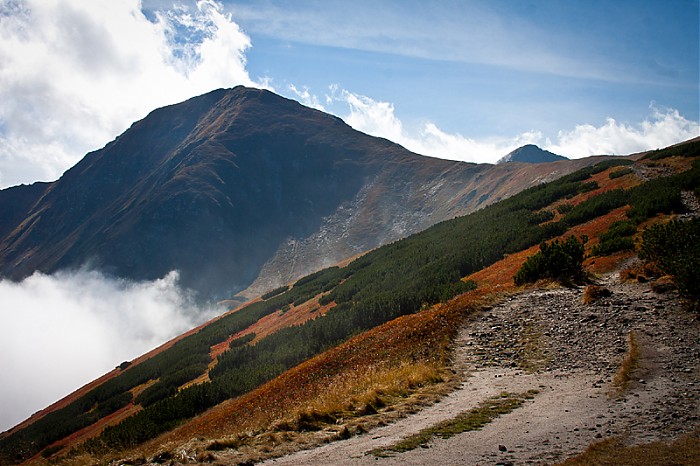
pixel 48 451
pixel 690 149
pixel 541 217
pixel 612 246
pixel 596 206
pixel 621 228
pixel 675 248
pixel 619 173
pixel 275 292
pixel 564 208
pixel 562 261
pixel 617 238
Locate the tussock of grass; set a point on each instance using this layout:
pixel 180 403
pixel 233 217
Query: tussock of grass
pixel 623 376
pixel 612 452
pixel 473 419
pixel 641 273
pixel 225 444
pixel 365 393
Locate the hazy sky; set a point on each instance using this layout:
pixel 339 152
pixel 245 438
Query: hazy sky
pixel 467 80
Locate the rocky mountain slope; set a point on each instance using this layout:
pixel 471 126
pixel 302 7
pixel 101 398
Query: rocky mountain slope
pixel 240 188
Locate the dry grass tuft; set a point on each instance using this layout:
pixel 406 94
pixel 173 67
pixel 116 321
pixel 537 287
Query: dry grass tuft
pixel 368 391
pixel 642 273
pixel 664 285
pixel 623 376
pixel 593 293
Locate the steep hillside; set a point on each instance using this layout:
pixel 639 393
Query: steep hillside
pixel 402 302
pixel 235 188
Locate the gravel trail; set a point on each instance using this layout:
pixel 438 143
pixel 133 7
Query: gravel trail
pixel 550 341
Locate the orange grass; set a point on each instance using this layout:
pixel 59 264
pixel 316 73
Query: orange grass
pixel 498 277
pixel 404 345
pixel 623 377
pixel 296 315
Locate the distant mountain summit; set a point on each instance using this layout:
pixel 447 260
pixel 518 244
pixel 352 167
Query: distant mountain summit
pixel 530 153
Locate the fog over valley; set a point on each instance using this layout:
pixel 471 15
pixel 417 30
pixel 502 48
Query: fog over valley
pixel 61 331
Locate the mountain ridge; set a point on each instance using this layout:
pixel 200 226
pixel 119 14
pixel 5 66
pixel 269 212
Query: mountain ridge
pixel 241 190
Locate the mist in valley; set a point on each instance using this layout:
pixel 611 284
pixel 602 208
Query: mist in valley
pixel 59 332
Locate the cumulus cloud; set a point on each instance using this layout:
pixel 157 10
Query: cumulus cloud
pixel 59 332
pixel 74 74
pixel 662 128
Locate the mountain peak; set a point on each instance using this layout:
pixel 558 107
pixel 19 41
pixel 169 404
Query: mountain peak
pixel 531 153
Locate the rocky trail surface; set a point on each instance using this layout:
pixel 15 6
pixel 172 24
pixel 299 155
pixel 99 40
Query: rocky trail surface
pixel 550 341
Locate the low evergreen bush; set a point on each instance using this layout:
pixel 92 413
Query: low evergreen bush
pixel 675 249
pixel 562 261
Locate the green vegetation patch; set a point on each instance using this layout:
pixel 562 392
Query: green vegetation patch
pixel 275 292
pixel 690 149
pixel 675 249
pixel 562 261
pixel 617 238
pixel 620 173
pixel 467 421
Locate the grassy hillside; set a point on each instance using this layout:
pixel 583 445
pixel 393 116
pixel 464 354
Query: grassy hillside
pixel 359 329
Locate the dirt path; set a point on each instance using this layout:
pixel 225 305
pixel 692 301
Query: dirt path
pixel 550 341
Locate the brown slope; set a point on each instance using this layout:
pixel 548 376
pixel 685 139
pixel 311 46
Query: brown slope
pixel 253 432
pixel 595 227
pixel 411 340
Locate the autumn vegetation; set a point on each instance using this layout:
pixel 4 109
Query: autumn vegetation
pixel 391 316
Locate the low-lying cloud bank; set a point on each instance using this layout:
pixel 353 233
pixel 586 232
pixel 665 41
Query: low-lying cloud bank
pixel 59 332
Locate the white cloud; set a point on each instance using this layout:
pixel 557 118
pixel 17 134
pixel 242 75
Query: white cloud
pixel 379 119
pixel 74 74
pixel 306 97
pixel 59 332
pixel 662 128
pixel 374 117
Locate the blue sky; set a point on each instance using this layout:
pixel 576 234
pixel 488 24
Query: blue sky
pixel 485 68
pixel 466 80
pixel 491 75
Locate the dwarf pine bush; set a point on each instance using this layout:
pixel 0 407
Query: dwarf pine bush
pixel 562 261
